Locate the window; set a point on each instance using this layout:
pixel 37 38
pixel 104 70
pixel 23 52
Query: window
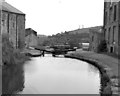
pixel 109 35
pixel 105 5
pixel 114 29
pixel 119 35
pixel 105 18
pixel 3 22
pixel 13 25
pixel 92 38
pixel 110 14
pixel 115 12
pixel 104 33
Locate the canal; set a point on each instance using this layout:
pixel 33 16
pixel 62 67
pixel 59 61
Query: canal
pixel 59 75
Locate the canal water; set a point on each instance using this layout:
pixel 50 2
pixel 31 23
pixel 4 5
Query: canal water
pixel 59 75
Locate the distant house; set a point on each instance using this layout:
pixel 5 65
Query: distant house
pixel 31 38
pixel 96 36
pixel 85 46
pixel 112 26
pixel 13 24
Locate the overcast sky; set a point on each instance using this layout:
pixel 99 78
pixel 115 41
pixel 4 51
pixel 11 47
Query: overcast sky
pixel 54 16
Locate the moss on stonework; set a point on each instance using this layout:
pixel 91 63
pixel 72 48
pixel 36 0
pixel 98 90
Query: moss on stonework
pixel 10 55
pixel 12 68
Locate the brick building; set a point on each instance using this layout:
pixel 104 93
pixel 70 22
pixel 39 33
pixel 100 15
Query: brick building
pixel 13 23
pixel 31 38
pixel 96 36
pixel 112 25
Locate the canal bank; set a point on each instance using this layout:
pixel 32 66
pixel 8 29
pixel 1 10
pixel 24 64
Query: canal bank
pixel 107 65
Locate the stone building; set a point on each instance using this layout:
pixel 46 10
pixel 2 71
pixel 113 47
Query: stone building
pixel 112 25
pixel 96 36
pixel 13 24
pixel 31 38
pixel 0 38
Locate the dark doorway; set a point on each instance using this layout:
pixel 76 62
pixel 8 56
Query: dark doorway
pixel 111 50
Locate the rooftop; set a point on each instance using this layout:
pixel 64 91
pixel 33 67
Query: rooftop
pixel 7 7
pixel 29 31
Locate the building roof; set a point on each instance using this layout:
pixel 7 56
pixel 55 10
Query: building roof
pixel 7 7
pixel 29 31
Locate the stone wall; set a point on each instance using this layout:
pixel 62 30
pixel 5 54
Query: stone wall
pixel 31 40
pixel 14 25
pixel 95 38
pixel 12 28
pixel 111 25
pixel 0 42
pixel 0 46
pixel 4 23
pixel 21 31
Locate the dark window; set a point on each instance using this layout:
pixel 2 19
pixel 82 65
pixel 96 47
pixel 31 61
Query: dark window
pixel 119 35
pixel 115 12
pixel 104 33
pixel 105 5
pixel 92 38
pixel 106 18
pixel 114 29
pixel 110 14
pixel 109 35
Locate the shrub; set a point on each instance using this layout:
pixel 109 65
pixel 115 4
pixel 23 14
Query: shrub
pixel 12 70
pixel 7 50
pixel 10 55
pixel 102 47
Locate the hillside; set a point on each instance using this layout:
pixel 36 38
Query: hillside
pixel 83 30
pixel 73 38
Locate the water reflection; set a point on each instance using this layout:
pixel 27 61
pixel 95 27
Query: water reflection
pixel 12 79
pixel 51 75
pixel 48 75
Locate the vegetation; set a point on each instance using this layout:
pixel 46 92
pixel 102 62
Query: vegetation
pixel 102 46
pixel 11 56
pixel 66 38
pixel 12 70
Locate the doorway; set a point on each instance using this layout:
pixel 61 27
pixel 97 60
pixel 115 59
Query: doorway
pixel 111 49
